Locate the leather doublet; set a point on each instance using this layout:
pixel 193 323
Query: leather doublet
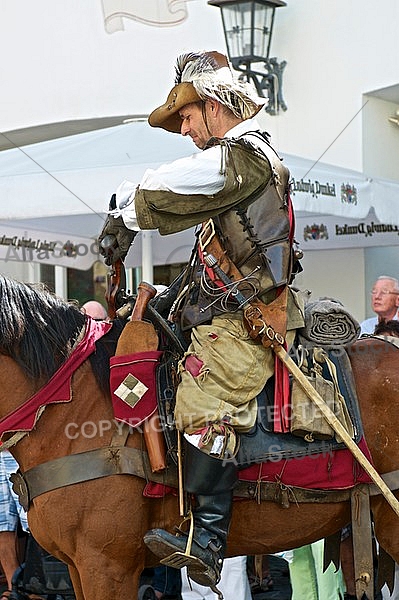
pixel 257 235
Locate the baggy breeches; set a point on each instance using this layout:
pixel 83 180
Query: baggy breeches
pixel 222 372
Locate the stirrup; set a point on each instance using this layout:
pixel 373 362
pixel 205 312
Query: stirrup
pixel 178 559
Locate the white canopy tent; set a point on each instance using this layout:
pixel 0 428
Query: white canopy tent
pixel 54 196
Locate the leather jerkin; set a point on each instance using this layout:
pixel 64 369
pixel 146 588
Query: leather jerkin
pixel 262 320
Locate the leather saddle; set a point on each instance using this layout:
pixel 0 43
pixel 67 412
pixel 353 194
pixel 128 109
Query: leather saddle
pixel 261 443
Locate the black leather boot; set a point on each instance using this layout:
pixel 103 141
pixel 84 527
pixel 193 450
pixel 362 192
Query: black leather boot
pixel 202 549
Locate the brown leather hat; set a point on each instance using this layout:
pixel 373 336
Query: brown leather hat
pixel 167 116
pixel 200 76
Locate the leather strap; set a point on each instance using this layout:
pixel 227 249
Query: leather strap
pixel 86 466
pixel 362 542
pixel 209 242
pixel 120 435
pixel 263 320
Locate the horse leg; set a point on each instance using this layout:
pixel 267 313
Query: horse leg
pixel 386 526
pixel 75 579
pixel 102 577
pixel 98 581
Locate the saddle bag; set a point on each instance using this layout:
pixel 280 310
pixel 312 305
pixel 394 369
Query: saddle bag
pixel 307 420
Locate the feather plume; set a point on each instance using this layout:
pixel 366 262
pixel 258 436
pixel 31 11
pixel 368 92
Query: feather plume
pixel 193 65
pixel 212 77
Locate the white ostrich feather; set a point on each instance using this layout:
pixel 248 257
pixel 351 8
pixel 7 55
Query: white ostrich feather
pixel 211 80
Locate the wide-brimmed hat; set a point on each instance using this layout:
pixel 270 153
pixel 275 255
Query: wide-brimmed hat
pixel 200 76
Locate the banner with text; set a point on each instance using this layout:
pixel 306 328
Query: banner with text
pixel 325 232
pixel 18 245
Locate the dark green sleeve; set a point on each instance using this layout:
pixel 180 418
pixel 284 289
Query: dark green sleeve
pixel 247 174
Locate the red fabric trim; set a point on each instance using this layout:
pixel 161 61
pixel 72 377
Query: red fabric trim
pixel 157 490
pixel 291 215
pixel 141 365
pixel 57 389
pixel 282 396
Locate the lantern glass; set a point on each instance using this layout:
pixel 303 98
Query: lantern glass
pixel 248 29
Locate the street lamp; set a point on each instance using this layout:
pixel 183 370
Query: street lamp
pixel 248 29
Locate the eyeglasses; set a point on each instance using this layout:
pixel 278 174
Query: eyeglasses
pixel 383 292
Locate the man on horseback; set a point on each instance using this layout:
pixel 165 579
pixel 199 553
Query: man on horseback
pixel 238 189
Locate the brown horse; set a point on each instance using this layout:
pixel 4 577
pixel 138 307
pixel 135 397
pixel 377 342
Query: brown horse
pixel 97 526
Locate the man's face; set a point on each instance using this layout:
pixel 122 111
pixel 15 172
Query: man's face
pixel 384 298
pixel 193 123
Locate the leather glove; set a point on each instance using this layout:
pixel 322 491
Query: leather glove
pixel 115 226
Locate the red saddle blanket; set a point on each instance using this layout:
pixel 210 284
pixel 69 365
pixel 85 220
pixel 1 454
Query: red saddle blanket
pixel 334 470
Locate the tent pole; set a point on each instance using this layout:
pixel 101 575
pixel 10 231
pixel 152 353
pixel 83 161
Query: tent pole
pixel 34 272
pixel 146 256
pixel 61 282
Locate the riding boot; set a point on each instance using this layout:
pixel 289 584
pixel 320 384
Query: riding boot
pixel 212 481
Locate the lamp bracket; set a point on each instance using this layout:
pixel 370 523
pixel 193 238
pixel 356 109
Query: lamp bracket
pixel 268 84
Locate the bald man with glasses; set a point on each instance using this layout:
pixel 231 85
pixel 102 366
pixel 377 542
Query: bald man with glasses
pixel 384 302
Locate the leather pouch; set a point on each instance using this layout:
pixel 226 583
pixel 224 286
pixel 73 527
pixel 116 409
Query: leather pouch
pixel 307 420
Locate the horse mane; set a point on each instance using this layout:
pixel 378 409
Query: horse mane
pixel 105 348
pixel 38 330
